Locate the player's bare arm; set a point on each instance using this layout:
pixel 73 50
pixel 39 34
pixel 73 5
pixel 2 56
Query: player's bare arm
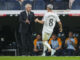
pixel 39 21
pixel 60 25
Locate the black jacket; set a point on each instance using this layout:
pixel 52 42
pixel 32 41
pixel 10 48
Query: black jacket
pixel 24 27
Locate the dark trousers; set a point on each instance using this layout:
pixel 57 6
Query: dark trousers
pixel 78 52
pixel 70 52
pixel 27 44
pixel 37 53
pixel 59 52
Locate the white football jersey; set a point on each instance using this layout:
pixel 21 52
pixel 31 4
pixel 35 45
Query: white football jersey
pixel 50 20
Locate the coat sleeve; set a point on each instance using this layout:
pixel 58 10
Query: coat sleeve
pixel 33 17
pixel 21 19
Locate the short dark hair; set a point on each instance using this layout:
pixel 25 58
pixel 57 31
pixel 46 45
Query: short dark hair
pixel 70 32
pixel 54 34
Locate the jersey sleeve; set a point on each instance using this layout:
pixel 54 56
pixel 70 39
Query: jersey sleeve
pixel 57 18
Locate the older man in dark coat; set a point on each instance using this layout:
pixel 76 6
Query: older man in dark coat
pixel 26 28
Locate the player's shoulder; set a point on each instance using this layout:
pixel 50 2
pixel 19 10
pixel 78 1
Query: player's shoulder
pixel 55 14
pixel 50 13
pixel 46 13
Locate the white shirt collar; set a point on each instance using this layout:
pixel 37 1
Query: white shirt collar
pixel 27 13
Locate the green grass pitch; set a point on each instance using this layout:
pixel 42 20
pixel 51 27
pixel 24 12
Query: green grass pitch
pixel 37 58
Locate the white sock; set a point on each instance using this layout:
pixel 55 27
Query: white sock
pixel 44 49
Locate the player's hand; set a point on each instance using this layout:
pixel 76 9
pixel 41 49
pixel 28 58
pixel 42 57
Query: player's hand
pixel 27 21
pixel 36 20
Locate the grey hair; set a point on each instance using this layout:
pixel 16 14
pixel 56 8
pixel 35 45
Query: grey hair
pixel 50 6
pixel 28 5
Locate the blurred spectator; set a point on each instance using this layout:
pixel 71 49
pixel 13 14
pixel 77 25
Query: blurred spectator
pixel 61 4
pixel 48 2
pixel 56 44
pixel 39 5
pixel 76 35
pixel 76 5
pixel 20 3
pixel 71 3
pixel 71 44
pixel 37 45
pixel 61 35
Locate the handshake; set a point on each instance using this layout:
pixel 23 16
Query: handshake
pixel 39 21
pixel 36 20
pixel 28 22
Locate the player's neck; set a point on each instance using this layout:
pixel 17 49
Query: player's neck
pixel 49 10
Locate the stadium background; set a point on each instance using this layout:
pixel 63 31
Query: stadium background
pixel 9 24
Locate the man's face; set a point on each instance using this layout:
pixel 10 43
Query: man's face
pixel 54 37
pixel 29 8
pixel 48 9
pixel 70 34
pixel 38 37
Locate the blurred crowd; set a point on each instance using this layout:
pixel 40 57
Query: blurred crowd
pixel 64 45
pixel 39 4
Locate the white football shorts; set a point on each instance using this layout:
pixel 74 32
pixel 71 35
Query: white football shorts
pixel 46 36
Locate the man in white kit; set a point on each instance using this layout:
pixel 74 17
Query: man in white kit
pixel 49 20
